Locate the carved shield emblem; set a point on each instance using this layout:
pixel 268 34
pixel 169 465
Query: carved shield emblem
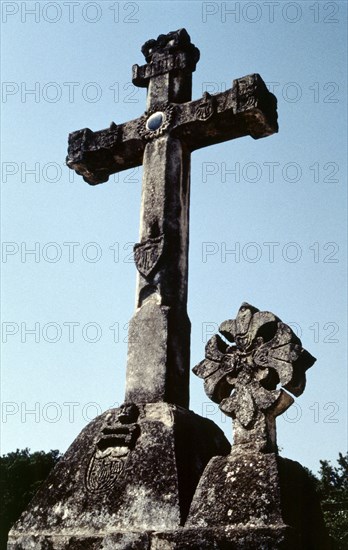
pixel 148 254
pixel 118 437
pixel 206 108
pixel 103 470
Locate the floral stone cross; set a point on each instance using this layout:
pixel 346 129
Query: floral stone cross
pixel 251 377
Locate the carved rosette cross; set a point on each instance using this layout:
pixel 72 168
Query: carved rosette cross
pixel 250 376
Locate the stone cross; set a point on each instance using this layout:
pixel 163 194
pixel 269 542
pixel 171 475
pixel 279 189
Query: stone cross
pixel 247 376
pixel 162 140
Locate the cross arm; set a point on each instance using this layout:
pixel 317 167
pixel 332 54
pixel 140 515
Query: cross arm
pixel 96 155
pixel 248 108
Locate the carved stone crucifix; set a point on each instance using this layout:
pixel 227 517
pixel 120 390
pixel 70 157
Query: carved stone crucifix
pixel 162 141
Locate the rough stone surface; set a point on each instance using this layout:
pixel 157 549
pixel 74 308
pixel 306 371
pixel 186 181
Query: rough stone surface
pixel 154 371
pixel 146 365
pixel 241 489
pixel 162 261
pixel 245 378
pixel 243 501
pixel 131 469
pixel 259 493
pixel 116 541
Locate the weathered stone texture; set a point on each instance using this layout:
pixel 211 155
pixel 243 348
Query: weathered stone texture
pixel 131 469
pixel 267 497
pixel 247 108
pixel 241 489
pixel 158 359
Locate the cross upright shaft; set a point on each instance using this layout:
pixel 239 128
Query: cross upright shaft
pixel 162 324
pixel 162 140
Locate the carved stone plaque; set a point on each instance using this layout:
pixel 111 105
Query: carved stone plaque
pixel 148 254
pixel 117 439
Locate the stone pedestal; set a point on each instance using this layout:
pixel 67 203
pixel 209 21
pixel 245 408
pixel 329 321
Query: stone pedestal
pixel 251 500
pixel 240 489
pixel 131 471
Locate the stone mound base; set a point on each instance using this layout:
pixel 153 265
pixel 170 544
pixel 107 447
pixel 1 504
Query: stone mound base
pixel 132 469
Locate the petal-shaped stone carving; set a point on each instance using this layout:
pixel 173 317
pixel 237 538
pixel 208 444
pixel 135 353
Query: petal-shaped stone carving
pixel 217 387
pixel 216 375
pixel 262 324
pixel 298 381
pixel 228 329
pixel 205 368
pixel 215 348
pixel 239 326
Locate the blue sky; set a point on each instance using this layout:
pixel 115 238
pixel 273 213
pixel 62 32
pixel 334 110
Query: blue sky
pixel 279 203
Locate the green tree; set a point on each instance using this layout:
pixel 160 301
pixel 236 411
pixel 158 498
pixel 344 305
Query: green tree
pixel 332 487
pixel 21 474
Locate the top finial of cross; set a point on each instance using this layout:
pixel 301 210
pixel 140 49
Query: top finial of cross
pixel 170 52
pixel 172 42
